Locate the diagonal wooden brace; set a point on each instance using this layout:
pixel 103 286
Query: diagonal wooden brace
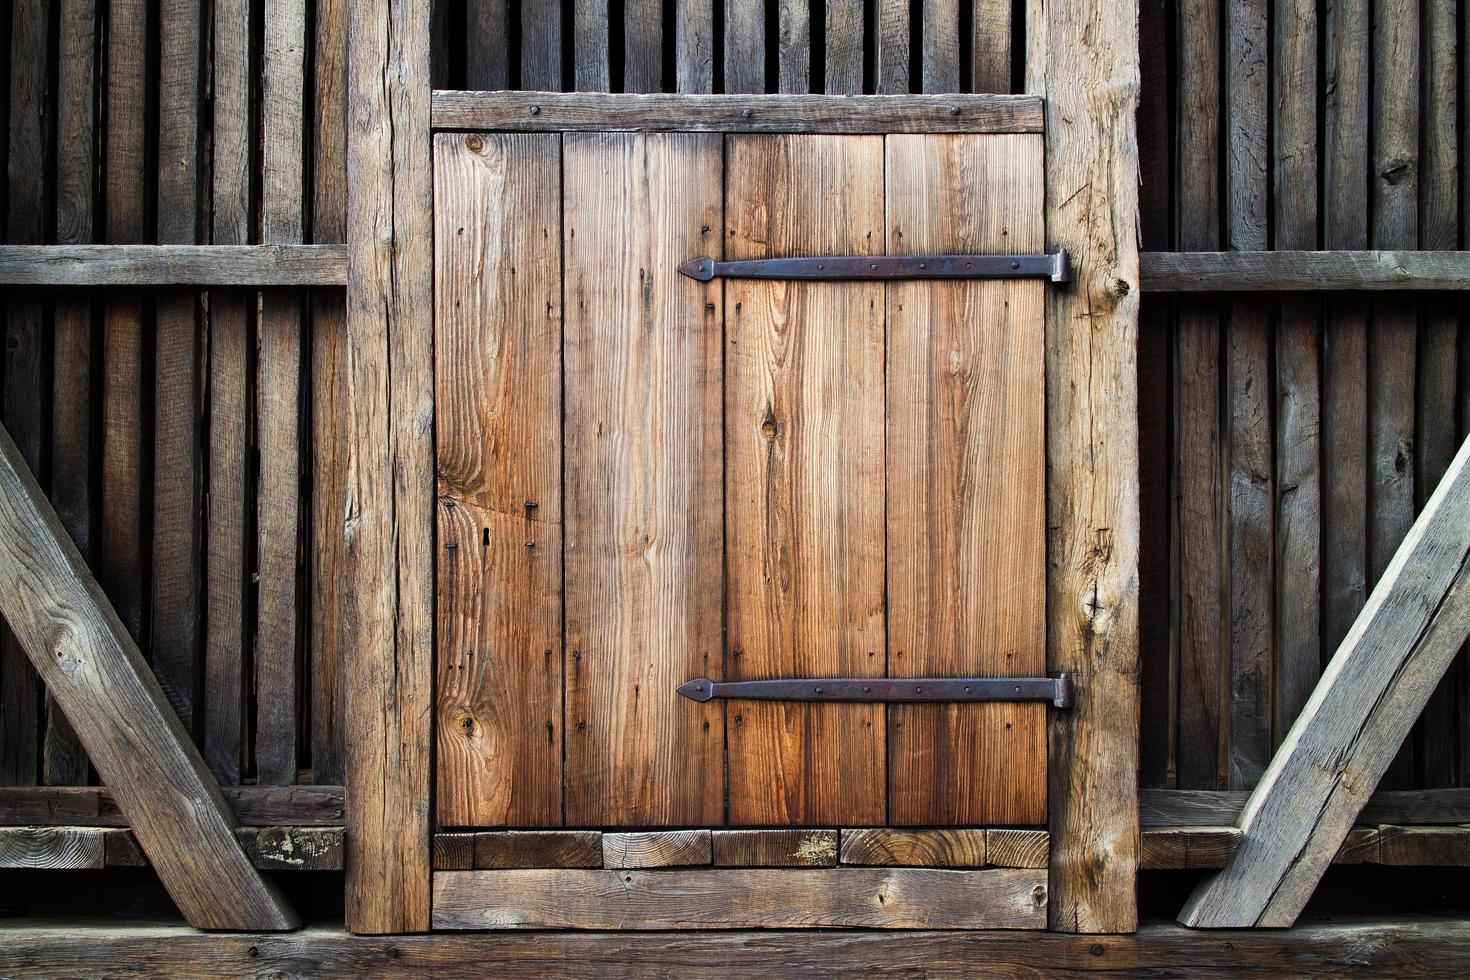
pixel 1378 682
pixel 87 659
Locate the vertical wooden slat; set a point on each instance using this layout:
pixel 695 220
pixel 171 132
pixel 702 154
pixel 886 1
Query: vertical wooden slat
pixel 694 46
pixel 328 397
pixel 176 452
pixel 278 400
pixel 497 349
pixel 966 481
pixel 642 471
pixel 541 46
pixel 25 349
pixel 1439 363
pixel 794 46
pixel 892 61
pixel 72 492
pixel 805 494
pixel 745 46
pixel 1083 56
pixel 589 46
pixel 844 47
pixel 1249 468
pixel 388 562
pixel 1394 198
pixel 1298 551
pixel 487 44
pixel 941 46
pixel 990 37
pixel 643 34
pixel 229 340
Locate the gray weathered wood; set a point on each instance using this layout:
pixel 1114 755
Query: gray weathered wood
pixel 1162 848
pixel 601 112
pixel 1287 271
pixel 745 46
pixel 83 653
pixel 659 849
pixel 1380 678
pixel 173 265
pixel 268 848
pixel 94 806
pixel 1211 808
pixel 788 898
pixel 51 847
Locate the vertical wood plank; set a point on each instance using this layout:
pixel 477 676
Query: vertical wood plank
pixel 278 400
pixel 590 46
pixel 805 496
pixel 794 46
pixel 892 61
pixel 328 398
pixel 1393 342
pixel 177 463
pixel 121 540
pixel 389 604
pixel 694 46
pixel 1298 546
pixel 1083 56
pixel 642 471
pixel 1201 637
pixel 497 344
pixel 643 54
pixel 966 481
pixel 941 46
pixel 844 47
pixel 229 342
pixel 541 46
pixel 72 492
pixel 745 46
pixel 25 350
pixel 487 40
pixel 990 40
pixel 1249 468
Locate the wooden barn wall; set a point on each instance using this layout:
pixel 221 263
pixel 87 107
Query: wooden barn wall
pixel 1288 443
pixel 188 439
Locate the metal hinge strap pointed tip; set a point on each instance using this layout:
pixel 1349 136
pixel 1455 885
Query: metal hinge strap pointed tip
pixel 1055 266
pixel 1057 690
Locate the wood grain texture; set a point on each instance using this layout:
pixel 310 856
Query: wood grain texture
pixel 540 46
pixel 1248 271
pixel 775 848
pixel 1186 847
pixel 1083 55
pixel 745 46
pixel 805 491
pixel 891 57
pixel 694 46
pixel 268 848
pixel 990 41
pixel 642 46
pixel 85 656
pixel 590 45
pixel 793 45
pixel 642 474
pixel 389 605
pixel 656 849
pixel 601 112
pixel 842 37
pixel 538 849
pixel 786 898
pixel 52 848
pixel 959 848
pixel 940 46
pixel 173 265
pixel 1017 848
pixel 498 398
pixel 1373 689
pixel 966 476
pixel 1174 808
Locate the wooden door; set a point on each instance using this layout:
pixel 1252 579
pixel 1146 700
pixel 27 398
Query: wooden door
pixel 644 479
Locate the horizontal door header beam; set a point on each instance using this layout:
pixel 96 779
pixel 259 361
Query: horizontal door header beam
pixel 554 112
pixel 1262 272
pixel 173 265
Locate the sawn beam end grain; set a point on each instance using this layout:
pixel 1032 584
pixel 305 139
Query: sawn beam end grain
pixel 786 898
pixel 173 265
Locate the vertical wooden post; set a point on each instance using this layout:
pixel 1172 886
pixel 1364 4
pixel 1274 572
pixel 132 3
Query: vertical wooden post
pixel 389 532
pixel 1083 56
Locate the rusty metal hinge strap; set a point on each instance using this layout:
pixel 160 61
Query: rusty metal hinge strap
pixel 1057 690
pixel 1053 266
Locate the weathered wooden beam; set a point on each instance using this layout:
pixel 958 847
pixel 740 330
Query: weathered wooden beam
pixel 1338 271
pixel 553 112
pixel 1083 57
pixel 1221 808
pixel 731 898
pixel 94 806
pixel 1379 680
pixel 269 848
pixel 388 576
pixel 52 847
pixel 173 265
pixel 93 669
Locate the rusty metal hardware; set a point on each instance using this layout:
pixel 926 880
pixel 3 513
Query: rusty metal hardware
pixel 1057 690
pixel 1054 266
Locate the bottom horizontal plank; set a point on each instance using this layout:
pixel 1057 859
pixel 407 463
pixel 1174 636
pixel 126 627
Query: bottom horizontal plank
pixel 51 847
pixel 1174 848
pixel 888 898
pixel 269 848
